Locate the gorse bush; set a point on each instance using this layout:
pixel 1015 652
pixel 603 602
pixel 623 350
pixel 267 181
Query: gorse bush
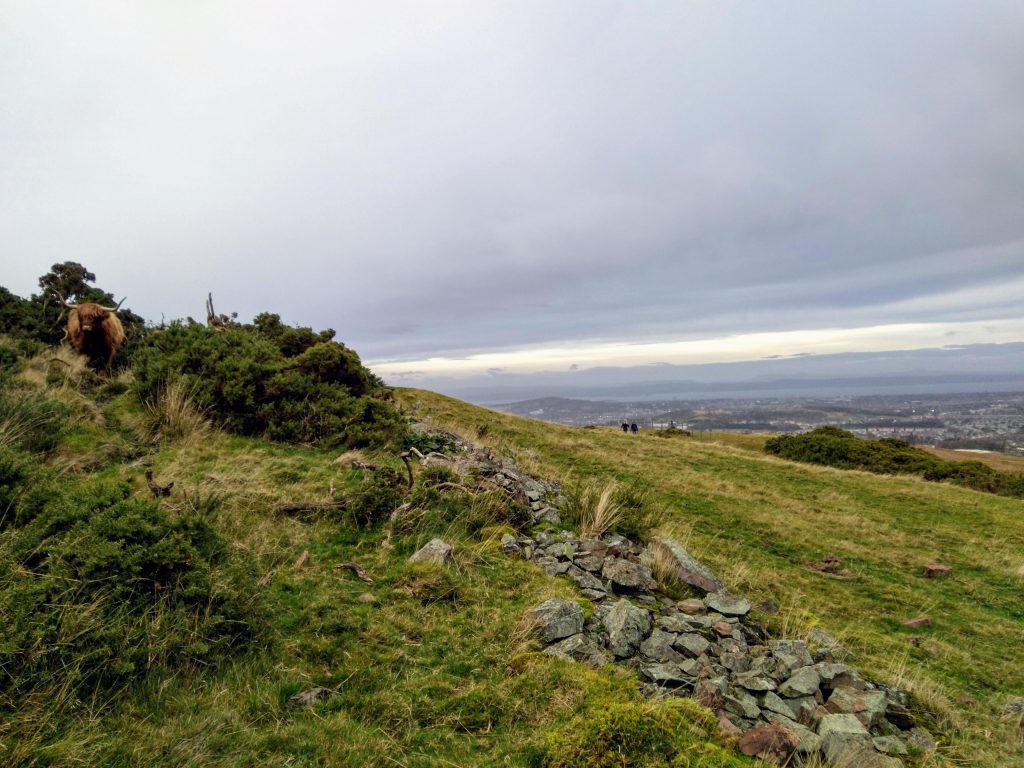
pixel 98 588
pixel 834 447
pixel 373 500
pixel 318 393
pixel 30 421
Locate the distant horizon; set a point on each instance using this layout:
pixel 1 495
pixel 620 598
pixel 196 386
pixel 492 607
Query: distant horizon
pixel 978 368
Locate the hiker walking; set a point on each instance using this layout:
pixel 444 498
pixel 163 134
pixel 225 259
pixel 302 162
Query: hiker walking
pixel 625 426
pixel 633 428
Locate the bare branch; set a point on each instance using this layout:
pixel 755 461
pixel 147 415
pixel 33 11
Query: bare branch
pixel 357 569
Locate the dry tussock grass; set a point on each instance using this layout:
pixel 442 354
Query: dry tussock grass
pixel 596 516
pixel 663 566
pixel 522 636
pixel 345 460
pixel 58 361
pixel 173 415
pixel 927 694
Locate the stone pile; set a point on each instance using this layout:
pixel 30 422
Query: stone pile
pixel 473 459
pixel 768 692
pixel 785 700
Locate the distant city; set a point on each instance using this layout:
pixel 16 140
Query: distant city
pixel 983 421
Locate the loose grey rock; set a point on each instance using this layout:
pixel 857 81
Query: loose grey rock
pixel 846 725
pixel 691 644
pixel 555 619
pixel 741 703
pixel 579 648
pixel 509 545
pixel 554 567
pixel 547 515
pixel 592 563
pixel 804 682
pixel 628 575
pixel 687 567
pixel 889 745
pixel 1014 707
pixel 773 703
pixel 434 551
pixel 727 605
pixel 627 626
pixel 810 742
pixel 658 647
pixel 668 675
pixel 583 579
pixel 694 606
pixel 867 706
pixel 921 739
pixel 309 698
pixel 674 624
pixel 754 681
pixel 593 594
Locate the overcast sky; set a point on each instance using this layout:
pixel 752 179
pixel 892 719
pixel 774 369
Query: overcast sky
pixel 469 185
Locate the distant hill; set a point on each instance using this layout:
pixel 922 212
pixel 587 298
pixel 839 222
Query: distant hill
pixel 971 368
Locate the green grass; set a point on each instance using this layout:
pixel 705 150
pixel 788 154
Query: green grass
pixel 438 669
pixel 758 520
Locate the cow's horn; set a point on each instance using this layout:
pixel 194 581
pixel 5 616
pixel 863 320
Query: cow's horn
pixel 114 309
pixel 64 301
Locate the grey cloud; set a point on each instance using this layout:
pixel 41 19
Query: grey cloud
pixel 457 178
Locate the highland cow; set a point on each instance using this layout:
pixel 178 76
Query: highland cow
pixel 94 331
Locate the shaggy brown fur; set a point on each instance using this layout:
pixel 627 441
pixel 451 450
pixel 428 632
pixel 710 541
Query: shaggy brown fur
pixel 95 331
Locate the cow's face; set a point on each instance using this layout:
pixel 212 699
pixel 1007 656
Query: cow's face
pixel 91 316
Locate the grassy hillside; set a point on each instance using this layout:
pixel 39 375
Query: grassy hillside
pixel 763 523
pixel 428 666
pixel 432 665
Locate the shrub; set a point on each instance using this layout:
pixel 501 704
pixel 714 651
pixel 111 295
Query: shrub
pixel 31 421
pixel 430 442
pixel 836 447
pixel 321 396
pixel 673 432
pixel 98 588
pixel 374 499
